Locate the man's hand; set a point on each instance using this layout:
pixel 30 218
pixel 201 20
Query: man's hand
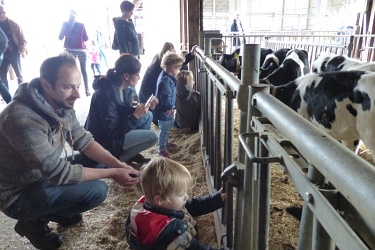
pixel 122 176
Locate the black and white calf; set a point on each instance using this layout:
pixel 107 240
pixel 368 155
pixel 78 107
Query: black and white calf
pixel 340 103
pixel 272 62
pixel 327 62
pixel 295 64
pixel 232 62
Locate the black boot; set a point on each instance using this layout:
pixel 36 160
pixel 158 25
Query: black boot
pixel 67 221
pixel 39 234
pixel 139 159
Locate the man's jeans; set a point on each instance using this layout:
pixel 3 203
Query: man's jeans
pixel 82 58
pixel 13 59
pixel 42 200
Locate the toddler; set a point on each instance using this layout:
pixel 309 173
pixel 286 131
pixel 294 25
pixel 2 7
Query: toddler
pixel 166 94
pixel 188 103
pixel 95 58
pixel 163 218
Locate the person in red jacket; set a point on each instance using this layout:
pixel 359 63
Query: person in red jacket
pixel 164 217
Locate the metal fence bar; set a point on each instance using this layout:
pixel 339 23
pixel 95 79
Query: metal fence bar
pixel 351 177
pixel 338 164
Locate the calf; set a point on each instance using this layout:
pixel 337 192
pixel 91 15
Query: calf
pixel 295 64
pixel 327 62
pixel 340 103
pixel 272 62
pixel 320 62
pixel 232 62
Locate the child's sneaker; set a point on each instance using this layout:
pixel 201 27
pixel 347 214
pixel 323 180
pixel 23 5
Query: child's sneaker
pixel 171 145
pixel 164 154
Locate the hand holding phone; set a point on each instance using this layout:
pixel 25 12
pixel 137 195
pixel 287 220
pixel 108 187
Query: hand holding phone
pixel 149 100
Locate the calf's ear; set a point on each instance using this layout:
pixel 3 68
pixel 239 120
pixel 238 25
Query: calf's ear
pixel 269 65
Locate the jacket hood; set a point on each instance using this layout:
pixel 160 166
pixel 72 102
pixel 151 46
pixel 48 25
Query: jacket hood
pixel 183 91
pixel 117 19
pixel 102 83
pixel 30 94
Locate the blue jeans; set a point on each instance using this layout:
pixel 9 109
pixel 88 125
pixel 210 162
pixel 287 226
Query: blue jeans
pixel 139 139
pixel 82 58
pixel 13 59
pixel 165 130
pixel 43 200
pixel 135 141
pixel 4 91
pixel 103 57
pixel 145 121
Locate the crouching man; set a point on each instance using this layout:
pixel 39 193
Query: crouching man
pixel 36 185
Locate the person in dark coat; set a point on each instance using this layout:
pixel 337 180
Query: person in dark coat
pixel 188 103
pixel 236 27
pixel 166 94
pixel 119 127
pixel 148 85
pixel 4 91
pixel 16 47
pixel 126 37
pixel 149 80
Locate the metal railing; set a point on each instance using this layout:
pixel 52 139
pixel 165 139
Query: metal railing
pixel 336 185
pixel 350 44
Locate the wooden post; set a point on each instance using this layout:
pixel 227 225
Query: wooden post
pixel 194 24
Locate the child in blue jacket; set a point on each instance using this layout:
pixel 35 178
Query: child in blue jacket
pixel 166 94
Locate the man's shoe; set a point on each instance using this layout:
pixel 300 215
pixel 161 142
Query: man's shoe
pixel 139 159
pixel 164 154
pixel 68 221
pixel 39 234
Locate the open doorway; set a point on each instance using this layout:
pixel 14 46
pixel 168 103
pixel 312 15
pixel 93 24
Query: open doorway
pixel 41 21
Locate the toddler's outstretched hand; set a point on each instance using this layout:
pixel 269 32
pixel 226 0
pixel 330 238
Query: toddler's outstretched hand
pixel 223 195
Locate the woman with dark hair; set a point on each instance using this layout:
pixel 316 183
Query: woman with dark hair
pixel 122 129
pixel 148 85
pixel 126 37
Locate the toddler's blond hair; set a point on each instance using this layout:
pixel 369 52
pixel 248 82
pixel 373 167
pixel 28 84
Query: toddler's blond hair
pixel 171 59
pixel 164 177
